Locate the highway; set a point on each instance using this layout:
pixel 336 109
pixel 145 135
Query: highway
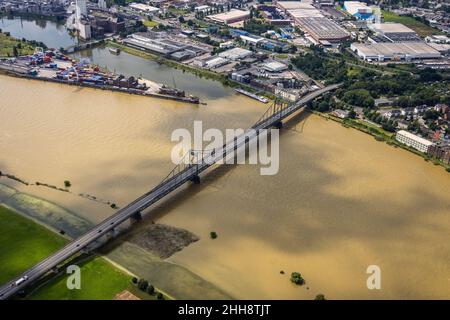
pixel 169 184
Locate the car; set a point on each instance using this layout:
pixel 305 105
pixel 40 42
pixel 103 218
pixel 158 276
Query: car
pixel 21 280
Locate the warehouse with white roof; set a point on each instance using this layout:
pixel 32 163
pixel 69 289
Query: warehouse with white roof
pixel 394 51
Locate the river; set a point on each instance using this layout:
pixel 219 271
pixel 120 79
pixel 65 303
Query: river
pixel 340 202
pixel 52 33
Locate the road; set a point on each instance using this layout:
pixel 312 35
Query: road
pixel 172 182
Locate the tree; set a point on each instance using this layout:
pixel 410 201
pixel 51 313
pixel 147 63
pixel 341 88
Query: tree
pixel 431 115
pixel 15 51
pixel 150 289
pixel 320 296
pixel 352 114
pixel 297 278
pixel 213 235
pixel 142 284
pixel 67 184
pixel 359 97
pixel 159 296
pixel 181 19
pixel 134 280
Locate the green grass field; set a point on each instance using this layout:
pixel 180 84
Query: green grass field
pixel 150 23
pixel 99 281
pixel 7 44
pixel 422 29
pixel 23 243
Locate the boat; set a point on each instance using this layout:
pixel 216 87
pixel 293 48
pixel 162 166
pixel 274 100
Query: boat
pixel 114 50
pixel 252 95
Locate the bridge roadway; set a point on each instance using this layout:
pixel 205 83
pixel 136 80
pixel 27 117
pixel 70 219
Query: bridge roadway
pixel 149 198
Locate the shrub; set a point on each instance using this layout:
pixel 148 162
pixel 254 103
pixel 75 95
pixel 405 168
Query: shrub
pixel 134 280
pixel 320 297
pixel 159 296
pixel 67 183
pixel 150 289
pixel 213 235
pixel 297 278
pixel 143 284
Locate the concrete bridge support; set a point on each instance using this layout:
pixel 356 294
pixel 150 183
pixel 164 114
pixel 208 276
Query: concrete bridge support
pixel 136 217
pixel 111 234
pixel 195 179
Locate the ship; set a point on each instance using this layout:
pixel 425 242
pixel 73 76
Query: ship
pixel 115 51
pixel 252 95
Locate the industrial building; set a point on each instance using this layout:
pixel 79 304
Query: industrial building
pixel 406 51
pixel 273 15
pixel 312 21
pixel 232 16
pixel 235 54
pixel 143 8
pixel 161 44
pixel 416 142
pixel 292 5
pixel 394 32
pixel 359 10
pixel 323 29
pixel 275 66
pixel 251 39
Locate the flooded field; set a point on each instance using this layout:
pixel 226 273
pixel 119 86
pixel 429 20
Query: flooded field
pixel 341 201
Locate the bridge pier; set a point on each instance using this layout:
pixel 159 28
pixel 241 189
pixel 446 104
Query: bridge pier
pixel 278 124
pixel 136 217
pixel 195 179
pixel 111 234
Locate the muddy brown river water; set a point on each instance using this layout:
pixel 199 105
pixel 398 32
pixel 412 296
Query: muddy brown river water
pixel 340 202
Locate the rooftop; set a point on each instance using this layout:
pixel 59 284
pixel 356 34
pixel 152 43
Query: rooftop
pixel 391 28
pixel 387 49
pixel 232 14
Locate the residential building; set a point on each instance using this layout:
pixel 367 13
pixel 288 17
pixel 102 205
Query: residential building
pixel 414 141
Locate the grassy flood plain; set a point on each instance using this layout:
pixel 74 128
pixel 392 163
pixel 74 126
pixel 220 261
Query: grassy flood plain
pixel 36 222
pixel 24 243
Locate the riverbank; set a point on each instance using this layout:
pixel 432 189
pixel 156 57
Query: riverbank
pixel 381 135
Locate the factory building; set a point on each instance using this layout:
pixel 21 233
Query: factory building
pixel 232 16
pixel 292 5
pixel 143 8
pixel 394 32
pixel 275 66
pixel 359 10
pixel 235 54
pixel 162 45
pixel 323 29
pixel 406 51
pixel 313 22
pixel 414 141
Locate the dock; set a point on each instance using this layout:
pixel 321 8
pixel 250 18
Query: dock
pixel 54 66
